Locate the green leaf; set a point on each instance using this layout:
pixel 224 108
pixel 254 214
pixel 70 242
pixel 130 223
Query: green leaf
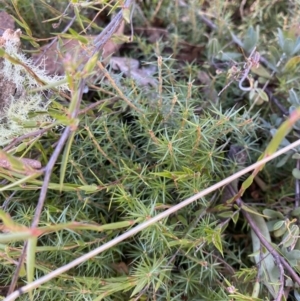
pixel 296 46
pixel 225 214
pixel 78 18
pixel 284 160
pixel 293 98
pixel 292 256
pixel 289 45
pixel 21 147
pixel 281 38
pixel 270 224
pixel 279 229
pixel 217 241
pixel 23 271
pixel 252 211
pixel 31 41
pixel 258 96
pixel 183 220
pixel 6 219
pixel 251 38
pixel 296 156
pixel 30 264
pixel 58 116
pixel 74 36
pixel 291 64
pixel 247 183
pixel 64 161
pixel 261 71
pixel 23 180
pixel 89 188
pixel 269 213
pixel 126 14
pixel 262 94
pixel 235 217
pixel 228 56
pixel 256 290
pixel 274 53
pixel 12 237
pixel 278 225
pixel 296 212
pixel 284 142
pixel 296 173
pixel 22 23
pixel 290 238
pixel 90 65
pixel 213 47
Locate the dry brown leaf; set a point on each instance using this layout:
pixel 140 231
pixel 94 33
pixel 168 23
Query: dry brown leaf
pixel 208 87
pixel 189 52
pixel 121 267
pixel 6 21
pixel 153 34
pixel 131 68
pixel 54 55
pixel 26 163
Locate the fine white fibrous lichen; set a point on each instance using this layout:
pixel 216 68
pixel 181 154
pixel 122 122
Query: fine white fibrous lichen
pixel 21 110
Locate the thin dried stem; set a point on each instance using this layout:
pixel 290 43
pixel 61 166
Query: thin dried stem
pixel 277 257
pixel 100 41
pixel 56 38
pixel 137 229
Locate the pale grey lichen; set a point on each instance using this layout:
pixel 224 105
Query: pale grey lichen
pixel 19 106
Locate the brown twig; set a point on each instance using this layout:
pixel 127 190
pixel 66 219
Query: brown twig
pixel 96 104
pixel 251 61
pixel 23 137
pixel 30 286
pixel 281 281
pixel 277 102
pixel 40 205
pixel 280 261
pixel 56 38
pixel 99 43
pixel 297 186
pixel 8 199
pixel 278 258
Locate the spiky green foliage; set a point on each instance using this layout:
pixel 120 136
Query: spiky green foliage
pixel 127 164
pixel 142 163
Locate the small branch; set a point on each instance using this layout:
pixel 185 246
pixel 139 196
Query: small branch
pixel 283 110
pixel 96 104
pixel 8 199
pixel 281 281
pixel 110 29
pixel 273 252
pixel 208 22
pixel 297 187
pixel 40 205
pixel 56 38
pixel 153 220
pixel 23 137
pixel 255 228
pixel 100 41
pixel 193 225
